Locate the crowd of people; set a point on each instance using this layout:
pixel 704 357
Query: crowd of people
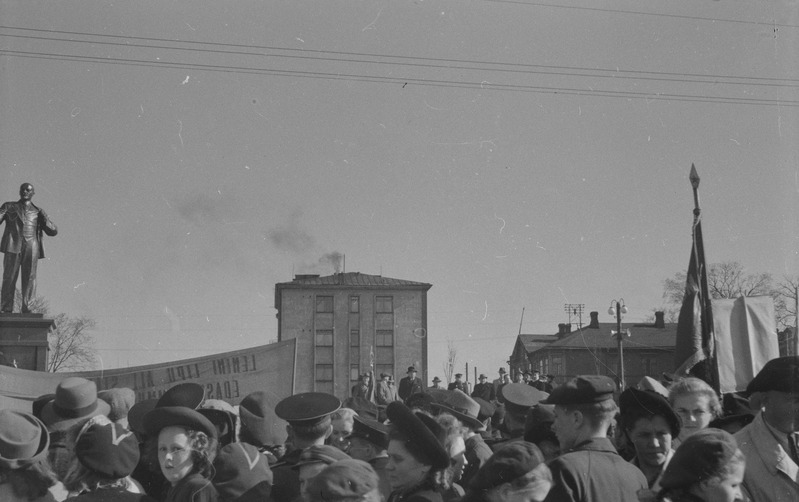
pixel 519 441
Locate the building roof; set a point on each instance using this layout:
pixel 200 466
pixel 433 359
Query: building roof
pixel 642 336
pixel 532 343
pixel 351 279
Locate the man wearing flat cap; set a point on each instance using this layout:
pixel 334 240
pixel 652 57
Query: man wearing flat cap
pixel 309 424
pixel 369 442
pixel 410 385
pixel 769 442
pixel 589 468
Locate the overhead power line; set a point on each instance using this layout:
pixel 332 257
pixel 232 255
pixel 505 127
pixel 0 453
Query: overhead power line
pixel 406 61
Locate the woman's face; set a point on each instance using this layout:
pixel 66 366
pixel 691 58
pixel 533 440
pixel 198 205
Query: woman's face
pixel 652 440
pixel 727 489
pixel 174 454
pixel 458 454
pixel 404 471
pixel 694 410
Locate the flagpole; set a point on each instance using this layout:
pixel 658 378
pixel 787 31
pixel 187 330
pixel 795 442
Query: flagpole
pixel 711 367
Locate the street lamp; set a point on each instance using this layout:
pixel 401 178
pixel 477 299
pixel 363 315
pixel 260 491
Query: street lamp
pixel 617 308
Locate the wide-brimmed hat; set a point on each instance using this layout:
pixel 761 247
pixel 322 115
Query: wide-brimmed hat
pixel 110 450
pixel 257 415
pixel 166 416
pixel 187 394
pixel 411 369
pixel 633 401
pixel 422 431
pixel 502 370
pixel 780 374
pixel 75 402
pixel 735 409
pixel 23 439
pixel 436 379
pixel 137 412
pixel 461 406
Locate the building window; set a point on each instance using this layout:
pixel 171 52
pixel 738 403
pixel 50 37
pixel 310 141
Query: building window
pixel 324 372
pixel 355 306
pixel 355 373
pixel 384 338
pixel 384 304
pixel 324 338
pixel 649 364
pixel 355 347
pixel 556 368
pixel 324 304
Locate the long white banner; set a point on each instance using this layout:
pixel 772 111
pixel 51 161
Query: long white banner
pixel 229 376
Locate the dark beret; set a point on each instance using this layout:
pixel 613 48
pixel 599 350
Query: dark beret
pixel 242 473
pixel 110 450
pixel 166 416
pixel 584 389
pixel 137 412
pixel 699 457
pixel 345 480
pixel 422 431
pixel 632 401
pixel 307 407
pixel 780 374
pixel 370 430
pixel 511 461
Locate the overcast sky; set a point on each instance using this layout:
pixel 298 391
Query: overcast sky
pixel 514 154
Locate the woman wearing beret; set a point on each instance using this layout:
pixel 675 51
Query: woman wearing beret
pixel 707 467
pixel 516 472
pixel 186 450
pixel 25 473
pixel 417 459
pixel 105 455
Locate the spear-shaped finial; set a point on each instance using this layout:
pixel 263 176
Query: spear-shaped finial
pixel 694 177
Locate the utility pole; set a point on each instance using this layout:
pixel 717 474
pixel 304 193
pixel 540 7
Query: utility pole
pixel 617 308
pixel 575 309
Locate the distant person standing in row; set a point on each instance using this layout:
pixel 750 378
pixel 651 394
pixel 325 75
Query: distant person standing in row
pixel 410 384
pixel 458 384
pixel 484 390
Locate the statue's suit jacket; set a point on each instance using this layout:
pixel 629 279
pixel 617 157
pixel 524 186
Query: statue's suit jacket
pixel 11 214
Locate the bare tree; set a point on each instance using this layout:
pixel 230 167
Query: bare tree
pixel 788 289
pixel 449 364
pixel 71 345
pixel 729 280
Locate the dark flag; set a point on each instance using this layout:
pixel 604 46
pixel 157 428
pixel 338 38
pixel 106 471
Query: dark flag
pixel 695 340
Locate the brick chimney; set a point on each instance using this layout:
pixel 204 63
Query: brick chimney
pixel 594 320
pixel 659 322
pixel 564 329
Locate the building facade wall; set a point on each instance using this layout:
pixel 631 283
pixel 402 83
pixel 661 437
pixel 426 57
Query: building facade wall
pixel 341 331
pixel 566 364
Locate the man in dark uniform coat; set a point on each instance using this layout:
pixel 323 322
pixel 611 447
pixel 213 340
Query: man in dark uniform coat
pixel 309 423
pixel 410 384
pixel 22 246
pixel 589 469
pixel 458 383
pixel 537 382
pixel 369 442
pixel 483 389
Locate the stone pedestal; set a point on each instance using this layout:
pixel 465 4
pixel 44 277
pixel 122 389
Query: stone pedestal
pixel 23 340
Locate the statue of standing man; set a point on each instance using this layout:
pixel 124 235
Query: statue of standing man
pixel 22 246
